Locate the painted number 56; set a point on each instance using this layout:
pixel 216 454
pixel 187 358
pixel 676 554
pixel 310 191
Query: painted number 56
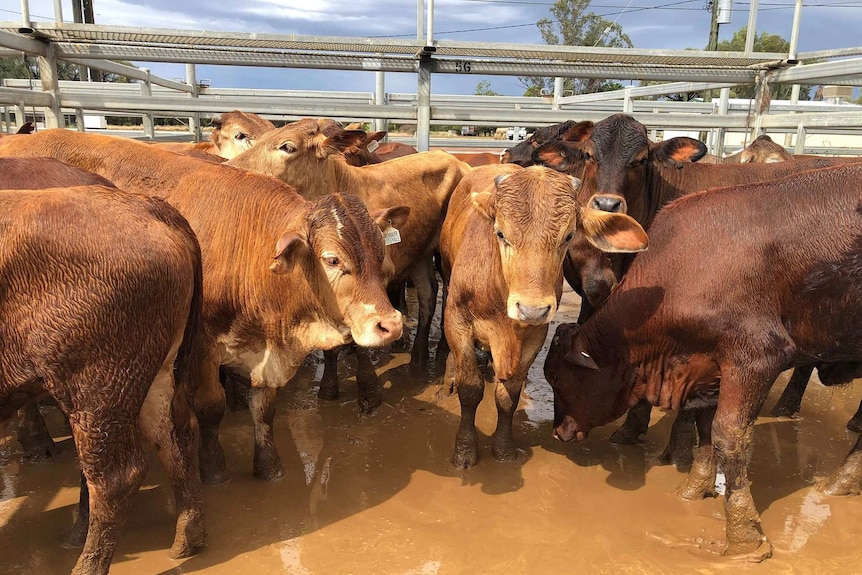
pixel 462 66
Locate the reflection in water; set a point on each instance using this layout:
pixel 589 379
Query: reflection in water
pixel 377 494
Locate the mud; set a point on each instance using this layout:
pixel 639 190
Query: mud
pixel 377 494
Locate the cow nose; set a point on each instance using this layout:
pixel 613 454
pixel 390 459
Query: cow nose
pixel 533 314
pixel 611 204
pixel 504 159
pixel 389 329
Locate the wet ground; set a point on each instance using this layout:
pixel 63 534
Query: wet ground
pixel 377 495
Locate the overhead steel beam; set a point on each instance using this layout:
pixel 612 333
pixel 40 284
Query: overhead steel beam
pixel 833 120
pixel 130 72
pixel 21 43
pixel 834 53
pixel 645 91
pixel 16 96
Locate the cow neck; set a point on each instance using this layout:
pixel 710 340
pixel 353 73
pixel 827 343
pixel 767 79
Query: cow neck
pixel 346 179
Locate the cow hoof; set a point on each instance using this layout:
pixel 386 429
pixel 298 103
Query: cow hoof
pixel 465 458
pixel 784 410
pixel 681 458
pixel 367 406
pixel 327 393
pixel 838 484
pixel 624 436
pixel 509 455
pixel 214 475
pixel 695 491
pixel 743 551
pixel 272 472
pixel 855 425
pixel 188 548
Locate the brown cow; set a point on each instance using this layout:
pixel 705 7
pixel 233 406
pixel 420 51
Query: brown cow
pixel 233 133
pixel 761 151
pixel 502 248
pixel 687 322
pixel 102 311
pixel 618 159
pixel 358 154
pixel 35 174
pixel 301 155
pixel 522 153
pixel 392 150
pixel 263 315
pixel 476 159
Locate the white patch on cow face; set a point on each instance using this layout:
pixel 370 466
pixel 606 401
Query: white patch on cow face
pixel 338 225
pixel 364 319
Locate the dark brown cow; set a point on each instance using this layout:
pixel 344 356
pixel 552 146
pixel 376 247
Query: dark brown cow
pixel 522 153
pixel 101 310
pixel 233 133
pixel 392 150
pixel 502 245
pixel 282 275
pixel 687 325
pixel 358 154
pixel 618 159
pixel 301 155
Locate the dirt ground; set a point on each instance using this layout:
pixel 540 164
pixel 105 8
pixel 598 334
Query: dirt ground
pixel 377 494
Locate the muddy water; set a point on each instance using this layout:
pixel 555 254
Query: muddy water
pixel 377 495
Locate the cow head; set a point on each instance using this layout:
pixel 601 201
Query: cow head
pixel 535 216
pixel 522 153
pixel 342 248
pixel 585 394
pixel 763 151
pixel 360 154
pixel 296 153
pixel 235 132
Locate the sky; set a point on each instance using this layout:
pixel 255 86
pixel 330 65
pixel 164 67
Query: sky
pixel 669 24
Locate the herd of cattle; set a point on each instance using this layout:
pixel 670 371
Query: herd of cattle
pixel 132 274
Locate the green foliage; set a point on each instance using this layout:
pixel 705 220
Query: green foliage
pixel 483 88
pixel 574 25
pixel 763 42
pixel 19 68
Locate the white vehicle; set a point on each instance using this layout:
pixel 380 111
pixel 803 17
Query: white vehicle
pixel 522 134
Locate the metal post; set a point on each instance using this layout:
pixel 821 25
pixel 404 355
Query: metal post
pixel 628 103
pixel 420 19
pixel 752 27
pixel 791 56
pixel 7 119
pixel 558 92
pixel 724 96
pixel 25 28
pixel 146 92
pixel 58 11
pixel 48 73
pixel 423 110
pixel 380 123
pixel 79 119
pixel 800 139
pixel 429 25
pixel 195 118
pixel 794 99
pixel 762 99
pixel 21 115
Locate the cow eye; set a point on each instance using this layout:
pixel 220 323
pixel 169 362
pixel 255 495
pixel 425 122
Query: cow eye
pixel 332 261
pixel 239 136
pixel 287 147
pixel 569 237
pixel 500 235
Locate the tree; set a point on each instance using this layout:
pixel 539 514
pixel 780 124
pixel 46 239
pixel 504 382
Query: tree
pixel 18 68
pixel 763 42
pixel 483 88
pixel 574 25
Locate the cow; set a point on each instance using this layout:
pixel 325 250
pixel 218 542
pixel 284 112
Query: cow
pixel 739 284
pixel 619 160
pixel 101 311
pixel 760 151
pixel 392 150
pixel 358 154
pixel 522 153
pixel 476 159
pixel 233 132
pixel 282 275
pixel 502 246
pixel 34 174
pixel 303 156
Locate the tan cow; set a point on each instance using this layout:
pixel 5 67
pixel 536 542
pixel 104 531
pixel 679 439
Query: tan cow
pixel 303 156
pixel 233 133
pixel 282 275
pixel 101 309
pixel 761 151
pixel 503 242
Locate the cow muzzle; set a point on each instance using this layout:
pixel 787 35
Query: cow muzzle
pixel 568 430
pixel 379 331
pixel 531 312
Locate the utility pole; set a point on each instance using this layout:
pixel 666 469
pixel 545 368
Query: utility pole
pixel 713 27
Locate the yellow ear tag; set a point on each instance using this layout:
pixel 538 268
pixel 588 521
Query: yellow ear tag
pixel 372 145
pixel 391 236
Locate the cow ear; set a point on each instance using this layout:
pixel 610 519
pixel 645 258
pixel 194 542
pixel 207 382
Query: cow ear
pixel 287 247
pixel 395 217
pixel 581 358
pixel 580 132
pixel 679 149
pixel 556 155
pixel 376 136
pixel 484 202
pixel 613 232
pixel 568 333
pixel 341 141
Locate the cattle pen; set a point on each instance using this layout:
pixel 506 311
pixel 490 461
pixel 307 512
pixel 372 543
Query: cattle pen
pixel 375 491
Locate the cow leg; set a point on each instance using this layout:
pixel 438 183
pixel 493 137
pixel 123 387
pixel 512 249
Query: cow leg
pixel 422 274
pixel 682 440
pixel 507 393
pixel 635 425
pixel 78 534
pixel 329 380
pixel 168 424
pixel 397 292
pixel 209 408
pixel 700 481
pixel 740 400
pixel 114 466
pixel 790 401
pixel 33 435
pixel 370 393
pixel 855 423
pixel 847 479
pixel 462 373
pixel 267 464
